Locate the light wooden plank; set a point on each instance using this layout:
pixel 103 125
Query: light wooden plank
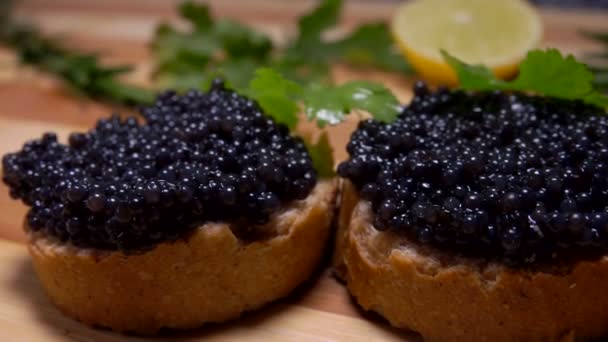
pixel 27 315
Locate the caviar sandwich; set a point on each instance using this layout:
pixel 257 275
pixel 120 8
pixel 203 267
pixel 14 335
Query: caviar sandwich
pixel 208 208
pixel 480 215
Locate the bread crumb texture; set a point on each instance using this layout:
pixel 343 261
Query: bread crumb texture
pixel 209 276
pixel 445 296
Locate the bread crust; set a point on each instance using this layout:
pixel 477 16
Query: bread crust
pixel 444 296
pixel 209 276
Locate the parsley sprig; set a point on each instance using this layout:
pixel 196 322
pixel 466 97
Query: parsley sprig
pixel 82 72
pixel 321 154
pixel 368 45
pixel 547 73
pixel 283 98
pixel 212 47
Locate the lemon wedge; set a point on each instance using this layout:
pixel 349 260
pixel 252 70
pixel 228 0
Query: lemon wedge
pixel 496 33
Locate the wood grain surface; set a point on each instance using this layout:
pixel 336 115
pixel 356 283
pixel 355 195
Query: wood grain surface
pixel 32 103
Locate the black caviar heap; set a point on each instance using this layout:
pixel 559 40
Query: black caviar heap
pixel 197 158
pixel 510 176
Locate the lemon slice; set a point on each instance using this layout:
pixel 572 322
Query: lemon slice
pixel 496 33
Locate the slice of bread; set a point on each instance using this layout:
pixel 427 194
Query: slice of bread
pixel 209 276
pixel 448 297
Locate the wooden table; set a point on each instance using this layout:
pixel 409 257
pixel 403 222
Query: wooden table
pixel 31 103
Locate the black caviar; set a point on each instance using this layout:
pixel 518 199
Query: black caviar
pixel 126 185
pixel 506 175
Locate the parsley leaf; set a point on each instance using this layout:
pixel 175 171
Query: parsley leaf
pixel 324 104
pixel 190 58
pixel 180 57
pixel 597 99
pixel 328 105
pixel 473 77
pixel 370 97
pixel 370 45
pixel 81 71
pixel 276 95
pixel 302 71
pixel 321 154
pixel 311 27
pixel 280 98
pixel 239 41
pixel 236 72
pixel 199 16
pixel 545 73
pixel 601 79
pixel 551 74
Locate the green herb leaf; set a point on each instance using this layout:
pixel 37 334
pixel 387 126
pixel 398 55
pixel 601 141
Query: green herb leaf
pixel 321 154
pixel 311 26
pixel 237 73
pixel 222 47
pixel 181 58
pixel 197 14
pixel 473 77
pixel 542 72
pixel 189 59
pixel 597 99
pixel 276 95
pixel 279 98
pixel 549 73
pixel 124 93
pixel 241 42
pixel 325 105
pixel 302 71
pixel 601 79
pixel 82 72
pixel 371 97
pixel 179 52
pixel 370 45
pixel 328 105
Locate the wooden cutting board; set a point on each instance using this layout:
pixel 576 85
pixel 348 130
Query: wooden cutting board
pixel 31 103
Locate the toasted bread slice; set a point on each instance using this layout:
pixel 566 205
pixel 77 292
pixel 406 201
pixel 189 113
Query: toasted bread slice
pixel 209 276
pixel 446 296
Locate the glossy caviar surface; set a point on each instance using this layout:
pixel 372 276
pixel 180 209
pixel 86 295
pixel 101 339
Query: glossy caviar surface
pixel 127 185
pixel 506 176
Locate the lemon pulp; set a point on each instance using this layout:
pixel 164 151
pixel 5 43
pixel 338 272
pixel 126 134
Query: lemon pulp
pixel 496 33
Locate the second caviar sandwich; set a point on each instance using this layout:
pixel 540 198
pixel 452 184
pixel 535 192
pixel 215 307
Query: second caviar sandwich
pixel 480 216
pixel 207 209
